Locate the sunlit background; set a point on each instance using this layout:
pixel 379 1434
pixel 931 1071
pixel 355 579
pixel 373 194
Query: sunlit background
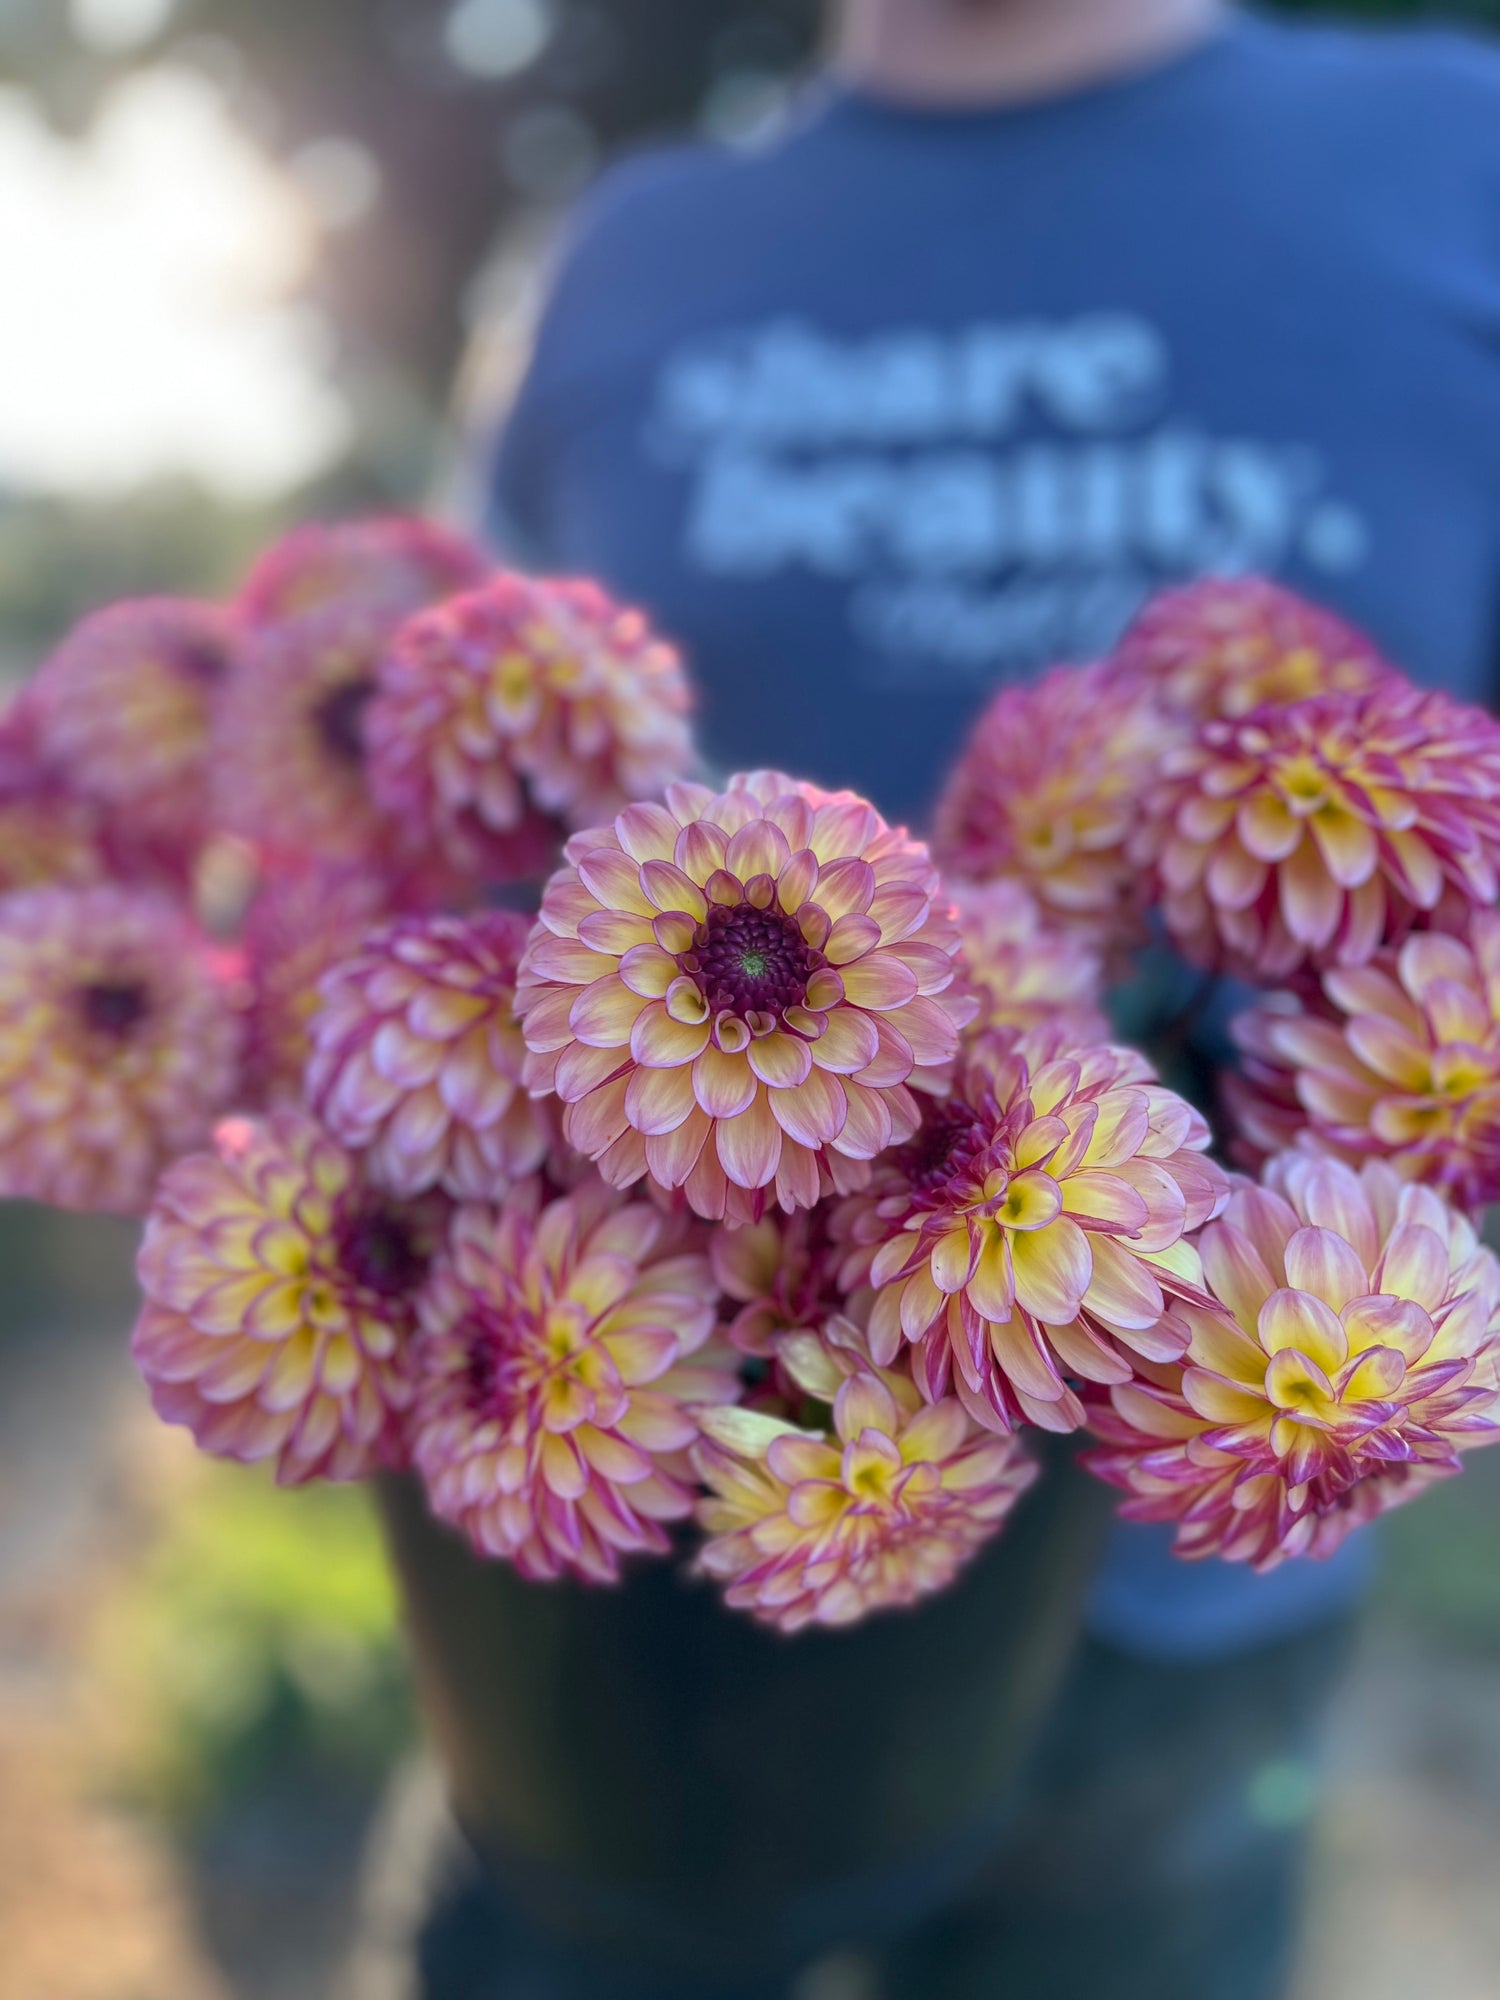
pixel 248 247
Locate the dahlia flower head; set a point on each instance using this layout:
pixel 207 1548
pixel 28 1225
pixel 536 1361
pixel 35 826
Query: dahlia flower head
pixel 289 749
pixel 1034 1230
pixel 1027 973
pixel 279 1307
pixel 119 1044
pixel 1047 793
pixel 417 1058
pixel 882 1505
pixel 391 564
pixel 122 713
pixel 1351 1353
pixel 519 710
pixel 301 922
pixel 560 1368
pixel 736 992
pixel 1223 646
pixel 1311 834
pixel 1401 1061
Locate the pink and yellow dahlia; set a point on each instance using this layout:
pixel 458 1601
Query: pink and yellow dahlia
pixel 119 1044
pixel 519 709
pixel 733 992
pixel 390 565
pixel 1351 1353
pixel 290 757
pixel 1313 834
pixel 300 924
pixel 1034 1230
pixel 1027 973
pixel 280 1302
pixel 122 713
pixel 558 1370
pixel 1048 791
pixel 1402 1060
pixel 418 1057
pixel 881 1507
pixel 1225 645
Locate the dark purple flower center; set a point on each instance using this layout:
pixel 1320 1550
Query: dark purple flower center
pixel 749 961
pixel 340 719
pixel 114 1007
pixel 202 660
pixel 947 1140
pixel 379 1248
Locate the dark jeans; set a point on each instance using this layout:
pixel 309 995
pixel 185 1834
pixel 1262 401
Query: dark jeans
pixel 1158 1855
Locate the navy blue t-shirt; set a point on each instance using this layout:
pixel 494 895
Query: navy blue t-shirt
pixel 903 404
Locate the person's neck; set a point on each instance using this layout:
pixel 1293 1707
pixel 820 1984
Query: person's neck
pixel 968 52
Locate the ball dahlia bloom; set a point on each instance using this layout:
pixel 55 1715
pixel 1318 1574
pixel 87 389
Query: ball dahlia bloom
pixel 122 713
pixel 558 1371
pixel 1034 1230
pixel 884 1506
pixel 1402 1060
pixel 289 756
pixel 280 1302
pixel 1224 645
pixel 119 1044
pixel 1047 793
pixel 1351 1354
pixel 1026 973
pixel 1314 833
pixel 734 991
pixel 390 564
pixel 521 708
pixel 300 924
pixel 417 1058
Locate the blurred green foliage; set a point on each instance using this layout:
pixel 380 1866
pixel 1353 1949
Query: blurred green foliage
pixel 257 1640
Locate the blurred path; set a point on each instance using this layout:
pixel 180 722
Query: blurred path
pixel 92 1905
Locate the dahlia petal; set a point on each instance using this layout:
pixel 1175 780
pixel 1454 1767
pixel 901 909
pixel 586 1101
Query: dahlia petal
pixel 813 1112
pixel 1414 1265
pixel 1311 901
pixel 849 1043
pixel 780 1059
pixel 1121 1289
pixel 658 1100
pixel 1052 1269
pixel 1298 1322
pixel 604 1014
pixel 846 885
pixel 868 1123
pixel 724 1085
pixel 1266 827
pixel 1322 1263
pixel 749 1146
pixel 662 1043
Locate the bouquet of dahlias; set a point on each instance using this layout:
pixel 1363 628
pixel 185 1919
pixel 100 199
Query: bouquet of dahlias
pixel 617 1149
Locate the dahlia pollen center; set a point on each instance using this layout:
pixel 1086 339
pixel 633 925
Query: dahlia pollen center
pixel 340 717
pixel 747 960
pixel 942 1146
pixel 115 1007
pixel 378 1252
